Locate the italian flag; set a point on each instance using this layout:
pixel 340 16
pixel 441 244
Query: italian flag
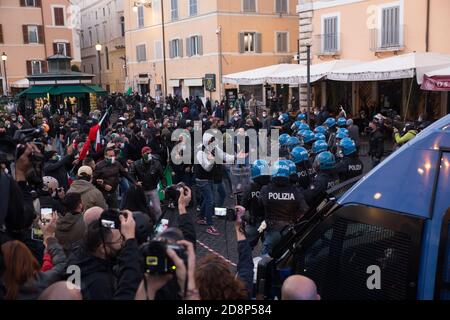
pixel 94 135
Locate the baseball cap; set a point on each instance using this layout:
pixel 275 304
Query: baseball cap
pixel 145 150
pixel 85 170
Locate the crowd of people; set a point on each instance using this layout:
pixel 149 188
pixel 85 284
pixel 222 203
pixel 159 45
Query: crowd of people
pixel 90 192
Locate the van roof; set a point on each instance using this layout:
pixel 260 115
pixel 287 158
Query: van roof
pixel 404 181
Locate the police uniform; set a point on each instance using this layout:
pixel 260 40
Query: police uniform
pixel 323 181
pixel 284 204
pixel 305 172
pixel 250 201
pixel 349 167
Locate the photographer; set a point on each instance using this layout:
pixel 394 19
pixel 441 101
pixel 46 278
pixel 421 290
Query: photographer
pixel 376 143
pixel 109 258
pixel 51 195
pixel 22 279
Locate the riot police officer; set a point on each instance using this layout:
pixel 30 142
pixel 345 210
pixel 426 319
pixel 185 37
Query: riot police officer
pixel 284 204
pixel 350 166
pixel 260 173
pixel 300 157
pixel 318 147
pixel 283 139
pixel 326 178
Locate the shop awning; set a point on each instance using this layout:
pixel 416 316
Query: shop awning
pixel 36 92
pixel 97 89
pixel 259 75
pixel 438 80
pixel 22 83
pixel 396 67
pixel 69 89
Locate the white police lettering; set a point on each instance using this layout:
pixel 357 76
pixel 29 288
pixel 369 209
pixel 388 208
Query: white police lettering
pixel 255 194
pixel 302 173
pixel 281 196
pixel 355 167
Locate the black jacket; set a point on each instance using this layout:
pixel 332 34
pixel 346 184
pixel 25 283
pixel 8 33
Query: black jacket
pixel 323 181
pixel 58 170
pixel 102 280
pixel 376 144
pixel 150 174
pixel 251 202
pixel 349 167
pixel 110 173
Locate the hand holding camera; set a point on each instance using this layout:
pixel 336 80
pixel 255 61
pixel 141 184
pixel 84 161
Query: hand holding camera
pixel 127 225
pixel 48 228
pixel 184 199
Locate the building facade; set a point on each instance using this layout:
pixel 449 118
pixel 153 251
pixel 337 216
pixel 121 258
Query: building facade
pixel 31 31
pixel 103 23
pixel 369 30
pixel 204 37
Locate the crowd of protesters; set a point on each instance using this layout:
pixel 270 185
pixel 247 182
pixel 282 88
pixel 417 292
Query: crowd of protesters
pixel 105 179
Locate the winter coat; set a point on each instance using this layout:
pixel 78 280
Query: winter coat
pixel 90 195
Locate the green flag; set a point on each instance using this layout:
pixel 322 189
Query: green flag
pixel 168 175
pixel 129 91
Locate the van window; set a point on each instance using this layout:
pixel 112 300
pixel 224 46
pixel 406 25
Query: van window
pixel 339 258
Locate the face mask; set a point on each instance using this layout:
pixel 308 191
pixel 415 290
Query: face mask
pixel 147 157
pixel 316 113
pixel 111 160
pixel 56 157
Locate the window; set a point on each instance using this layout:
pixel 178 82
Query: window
pixel 140 16
pixel 92 68
pixel 82 39
pixel 174 9
pixel 30 3
pixel 250 42
pixel 158 50
pixel 192 7
pixel 330 34
pixel 104 33
pixel 141 54
pixel 122 26
pixel 1 34
pixel 33 34
pixel 281 6
pixel 390 27
pixel 175 47
pixel 107 58
pixel 282 42
pixel 194 46
pixel 36 67
pixel 96 34
pixel 90 38
pixel 249 5
pixel 61 48
pixel 104 14
pixel 58 16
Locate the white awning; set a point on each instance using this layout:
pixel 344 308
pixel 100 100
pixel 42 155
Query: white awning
pixel 173 83
pixel 257 76
pixel 397 67
pixel 22 83
pixel 193 82
pixel 445 72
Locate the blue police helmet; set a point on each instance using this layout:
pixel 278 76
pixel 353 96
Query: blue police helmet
pixel 348 146
pixel 285 117
pixel 296 125
pixel 299 154
pixel 319 136
pixel 319 146
pixel 308 136
pixel 342 130
pixel 320 129
pixel 260 168
pixel 304 126
pixel 292 167
pixel 330 122
pixel 283 139
pixel 342 122
pixel 301 117
pixel 292 142
pixel 326 160
pixel 341 135
pixel 300 133
pixel 280 169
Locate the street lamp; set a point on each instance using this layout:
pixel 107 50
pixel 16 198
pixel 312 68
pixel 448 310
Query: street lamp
pixel 98 47
pixel 4 58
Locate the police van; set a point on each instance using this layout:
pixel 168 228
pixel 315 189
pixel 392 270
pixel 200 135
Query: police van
pixel 387 237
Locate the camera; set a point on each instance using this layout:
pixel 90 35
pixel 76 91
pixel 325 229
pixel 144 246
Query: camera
pixel 228 214
pixel 173 192
pixel 110 219
pixel 155 259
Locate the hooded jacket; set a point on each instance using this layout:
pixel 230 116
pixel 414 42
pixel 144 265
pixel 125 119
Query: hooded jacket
pixel 90 195
pixel 69 229
pixel 101 279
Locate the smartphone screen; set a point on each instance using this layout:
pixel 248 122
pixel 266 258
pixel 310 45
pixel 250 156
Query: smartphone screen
pixel 36 234
pixel 220 212
pixel 46 215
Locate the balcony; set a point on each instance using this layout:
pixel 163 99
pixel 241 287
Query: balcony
pixel 327 44
pixel 387 39
pixel 119 43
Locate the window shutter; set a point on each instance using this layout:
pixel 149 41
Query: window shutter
pixel 258 42
pixel 188 47
pixel 68 50
pixel 38 3
pixel 200 45
pixel 29 71
pixel 278 6
pixel 59 16
pixel 1 33
pixel 55 48
pixel 180 49
pixel 22 3
pixel 40 34
pixel 44 67
pixel 25 33
pixel 241 42
pixel 170 50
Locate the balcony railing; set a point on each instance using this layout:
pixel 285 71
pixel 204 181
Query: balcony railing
pixel 327 44
pixel 387 39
